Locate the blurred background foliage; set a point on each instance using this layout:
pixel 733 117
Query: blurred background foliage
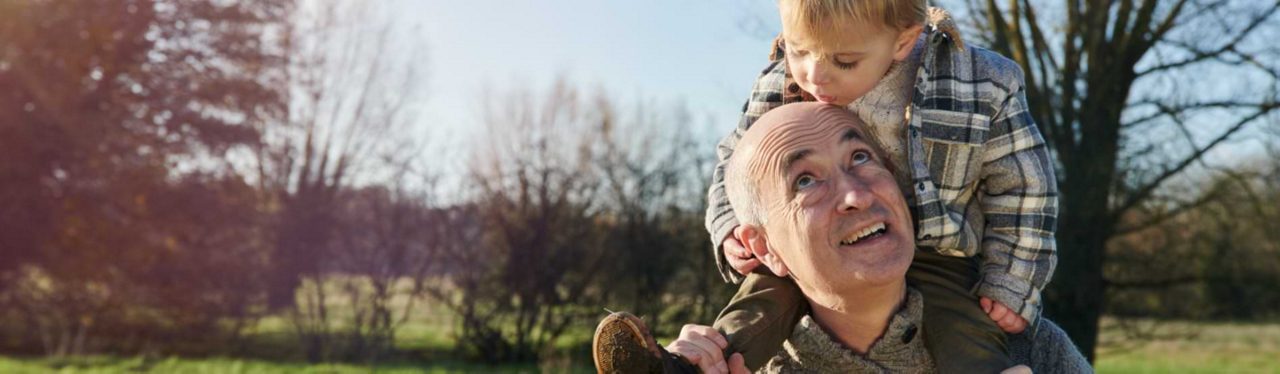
pixel 243 179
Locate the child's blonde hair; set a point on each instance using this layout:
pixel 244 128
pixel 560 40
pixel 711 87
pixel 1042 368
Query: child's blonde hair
pixel 817 19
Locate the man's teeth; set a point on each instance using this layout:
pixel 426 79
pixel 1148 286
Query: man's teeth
pixel 864 233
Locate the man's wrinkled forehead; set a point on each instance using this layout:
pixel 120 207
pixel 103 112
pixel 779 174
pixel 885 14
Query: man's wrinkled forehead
pixel 790 133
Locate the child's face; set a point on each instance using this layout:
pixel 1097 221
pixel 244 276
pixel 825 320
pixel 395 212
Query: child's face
pixel 843 72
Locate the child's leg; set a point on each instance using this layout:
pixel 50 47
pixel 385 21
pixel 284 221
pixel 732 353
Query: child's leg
pixel 760 317
pixel 959 335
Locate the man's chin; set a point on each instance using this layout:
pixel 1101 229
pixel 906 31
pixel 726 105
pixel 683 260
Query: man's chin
pixel 885 262
pixel 881 277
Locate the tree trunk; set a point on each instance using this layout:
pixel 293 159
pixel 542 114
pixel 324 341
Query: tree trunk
pixel 1075 298
pixel 303 234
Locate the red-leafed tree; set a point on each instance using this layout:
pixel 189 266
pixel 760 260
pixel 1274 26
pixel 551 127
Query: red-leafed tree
pixel 115 117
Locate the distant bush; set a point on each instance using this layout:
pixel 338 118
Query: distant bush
pixel 1220 260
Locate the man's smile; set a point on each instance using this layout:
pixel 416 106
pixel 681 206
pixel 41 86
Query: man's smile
pixel 866 234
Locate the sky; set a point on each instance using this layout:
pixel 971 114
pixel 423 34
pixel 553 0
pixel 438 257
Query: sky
pixel 704 54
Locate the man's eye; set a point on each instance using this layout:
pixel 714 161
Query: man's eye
pixel 805 181
pixel 860 157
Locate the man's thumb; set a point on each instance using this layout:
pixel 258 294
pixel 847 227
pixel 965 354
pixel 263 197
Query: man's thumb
pixel 737 364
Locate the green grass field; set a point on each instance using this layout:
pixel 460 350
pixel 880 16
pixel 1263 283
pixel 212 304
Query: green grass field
pixel 1204 348
pixel 227 365
pixel 425 345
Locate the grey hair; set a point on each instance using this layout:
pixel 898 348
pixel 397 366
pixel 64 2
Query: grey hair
pixel 741 188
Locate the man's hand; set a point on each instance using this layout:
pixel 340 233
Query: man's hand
pixel 740 259
pixel 703 346
pixel 1008 321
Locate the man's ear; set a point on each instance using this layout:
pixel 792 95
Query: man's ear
pixel 906 41
pixel 755 240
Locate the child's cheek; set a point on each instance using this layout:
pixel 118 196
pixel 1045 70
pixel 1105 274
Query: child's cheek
pixel 796 71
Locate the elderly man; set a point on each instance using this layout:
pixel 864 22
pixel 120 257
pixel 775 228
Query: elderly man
pixel 817 204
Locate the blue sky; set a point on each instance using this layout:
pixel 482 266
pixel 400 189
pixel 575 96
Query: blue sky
pixel 703 54
pixel 698 53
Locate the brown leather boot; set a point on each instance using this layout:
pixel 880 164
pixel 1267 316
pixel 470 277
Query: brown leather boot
pixel 623 344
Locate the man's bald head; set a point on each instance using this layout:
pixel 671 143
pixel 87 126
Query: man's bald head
pixel 817 204
pixel 742 173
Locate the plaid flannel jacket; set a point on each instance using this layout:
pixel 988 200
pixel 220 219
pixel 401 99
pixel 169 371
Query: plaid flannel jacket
pixel 983 182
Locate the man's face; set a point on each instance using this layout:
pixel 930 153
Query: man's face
pixel 845 71
pixel 834 214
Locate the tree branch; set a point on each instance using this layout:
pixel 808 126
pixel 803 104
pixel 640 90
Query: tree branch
pixel 1166 25
pixel 1063 136
pixel 1000 28
pixel 1120 29
pixel 1173 110
pixel 1041 90
pixel 1153 284
pixel 1134 43
pixel 1146 190
pixel 1199 55
pixel 1019 41
pixel 1162 217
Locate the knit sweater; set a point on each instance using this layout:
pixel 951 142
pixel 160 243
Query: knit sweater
pixel 901 349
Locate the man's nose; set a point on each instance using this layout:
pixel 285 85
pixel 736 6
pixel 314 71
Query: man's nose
pixel 854 195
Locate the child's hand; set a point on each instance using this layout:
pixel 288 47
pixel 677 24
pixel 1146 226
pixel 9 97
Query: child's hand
pixel 740 259
pixel 1008 321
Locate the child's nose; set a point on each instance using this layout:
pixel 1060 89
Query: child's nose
pixel 819 73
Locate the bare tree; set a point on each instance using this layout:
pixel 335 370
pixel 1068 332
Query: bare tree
pixel 1131 96
pixel 384 248
pixel 527 250
pixel 350 84
pixel 648 169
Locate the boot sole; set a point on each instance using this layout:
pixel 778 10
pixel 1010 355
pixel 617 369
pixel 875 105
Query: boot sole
pixel 632 362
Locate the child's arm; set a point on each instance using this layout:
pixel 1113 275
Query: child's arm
pixel 1019 199
pixel 766 94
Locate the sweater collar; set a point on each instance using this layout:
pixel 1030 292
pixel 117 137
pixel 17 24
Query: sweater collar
pixel 900 348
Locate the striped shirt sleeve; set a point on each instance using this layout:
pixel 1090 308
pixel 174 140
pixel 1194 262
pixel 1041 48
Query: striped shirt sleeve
pixel 1019 200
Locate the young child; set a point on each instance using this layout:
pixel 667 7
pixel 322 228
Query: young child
pixel 974 167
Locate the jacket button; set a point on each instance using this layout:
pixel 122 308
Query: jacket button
pixel 921 186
